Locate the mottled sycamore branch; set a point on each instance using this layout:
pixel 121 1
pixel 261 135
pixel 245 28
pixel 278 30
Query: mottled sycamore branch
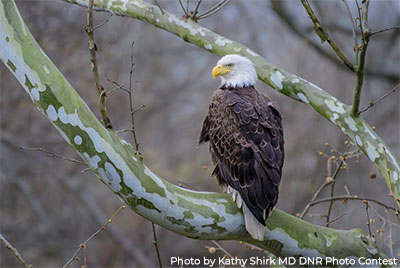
pixel 198 215
pixel 291 85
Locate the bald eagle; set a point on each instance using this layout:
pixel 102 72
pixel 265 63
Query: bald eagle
pixel 245 136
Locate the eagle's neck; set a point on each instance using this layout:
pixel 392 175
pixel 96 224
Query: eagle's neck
pixel 237 83
pixel 241 76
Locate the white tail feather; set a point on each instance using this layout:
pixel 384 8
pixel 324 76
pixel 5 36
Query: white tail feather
pixel 253 226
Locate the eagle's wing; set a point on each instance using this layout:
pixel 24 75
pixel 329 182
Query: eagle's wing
pixel 246 143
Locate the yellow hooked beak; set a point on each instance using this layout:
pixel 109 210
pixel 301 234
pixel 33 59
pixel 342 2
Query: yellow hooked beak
pixel 220 70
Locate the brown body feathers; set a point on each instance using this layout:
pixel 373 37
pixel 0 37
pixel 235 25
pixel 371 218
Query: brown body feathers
pixel 246 144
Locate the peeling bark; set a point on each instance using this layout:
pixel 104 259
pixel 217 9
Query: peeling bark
pixel 198 215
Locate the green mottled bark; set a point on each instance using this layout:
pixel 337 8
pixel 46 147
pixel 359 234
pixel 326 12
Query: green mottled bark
pixel 199 215
pixel 295 87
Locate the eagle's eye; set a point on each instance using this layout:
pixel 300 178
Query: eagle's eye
pixel 229 65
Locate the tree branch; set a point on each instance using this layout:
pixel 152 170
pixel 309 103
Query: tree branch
pixel 365 34
pixel 13 250
pixel 199 215
pixel 92 48
pixel 372 103
pixel 324 36
pixel 345 197
pixel 278 7
pixel 385 30
pixel 280 80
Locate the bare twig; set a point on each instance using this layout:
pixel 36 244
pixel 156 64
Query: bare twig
pixel 316 194
pixel 51 154
pixel 159 6
pixel 222 249
pixel 132 130
pixel 335 219
pixel 213 10
pixel 385 30
pixel 196 10
pixel 85 170
pixel 130 93
pixel 368 218
pixel 345 198
pixel 13 250
pixel 384 219
pixel 353 29
pixel 326 183
pixel 96 212
pixel 347 190
pixel 372 103
pixel 92 49
pixel 324 36
pixel 118 87
pixel 141 108
pixel 365 34
pixel 390 239
pixel 102 23
pixel 155 243
pixel 183 8
pixel 332 192
pixel 83 245
pixel 359 19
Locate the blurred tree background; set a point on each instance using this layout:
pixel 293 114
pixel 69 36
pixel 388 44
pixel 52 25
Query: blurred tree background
pixel 48 206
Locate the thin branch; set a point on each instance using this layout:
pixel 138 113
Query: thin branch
pixel 318 192
pixel 51 154
pixel 324 36
pixel 332 192
pixel 13 250
pixel 156 245
pixel 335 219
pixel 102 23
pixel 353 29
pixel 183 8
pixel 385 30
pixel 365 33
pixel 118 87
pixel 132 114
pixel 368 218
pixel 345 198
pixel 347 190
pixel 130 93
pixel 213 10
pixel 141 108
pixel 359 19
pixel 222 249
pixel 92 49
pixel 96 212
pixel 83 245
pixel 383 218
pixel 159 6
pixel 390 239
pixel 370 104
pixel 196 10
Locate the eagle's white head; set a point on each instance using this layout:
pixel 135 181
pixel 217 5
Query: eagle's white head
pixel 235 71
